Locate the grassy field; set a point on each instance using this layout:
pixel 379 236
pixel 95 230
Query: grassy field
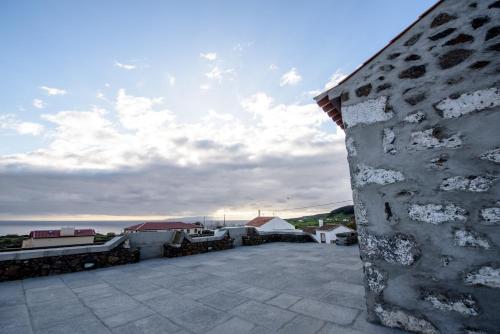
pixel 342 216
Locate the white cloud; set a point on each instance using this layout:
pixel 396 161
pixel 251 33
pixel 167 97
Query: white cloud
pixel 336 77
pixel 125 66
pixel 107 85
pixel 217 73
pixel 145 161
pixel 10 122
pixel 171 80
pixel 291 77
pixel 273 67
pixel 100 95
pixel 51 91
pixel 205 87
pixel 211 56
pixel 39 104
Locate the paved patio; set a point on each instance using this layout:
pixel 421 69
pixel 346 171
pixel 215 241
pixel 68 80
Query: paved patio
pixel 273 288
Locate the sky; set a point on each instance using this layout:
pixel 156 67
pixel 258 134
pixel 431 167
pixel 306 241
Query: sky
pixel 157 109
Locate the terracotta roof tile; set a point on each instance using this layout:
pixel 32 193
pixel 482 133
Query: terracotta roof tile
pixel 43 234
pixel 259 221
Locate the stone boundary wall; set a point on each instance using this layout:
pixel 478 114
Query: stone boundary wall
pixel 422 135
pixel 255 238
pixel 59 264
pixel 193 246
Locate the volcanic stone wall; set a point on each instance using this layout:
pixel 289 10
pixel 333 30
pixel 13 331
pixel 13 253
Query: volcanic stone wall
pixel 53 265
pixel 192 248
pixel 422 124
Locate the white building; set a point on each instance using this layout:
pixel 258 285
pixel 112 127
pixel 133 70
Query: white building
pixel 270 224
pixel 66 236
pixel 328 233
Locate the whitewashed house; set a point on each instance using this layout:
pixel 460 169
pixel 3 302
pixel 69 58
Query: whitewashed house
pixel 270 224
pixel 327 234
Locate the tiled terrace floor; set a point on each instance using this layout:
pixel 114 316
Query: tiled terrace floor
pixel 273 288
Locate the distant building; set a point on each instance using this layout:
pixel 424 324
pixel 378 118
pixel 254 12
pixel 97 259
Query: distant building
pixel 270 224
pixel 328 233
pixel 66 236
pixel 165 226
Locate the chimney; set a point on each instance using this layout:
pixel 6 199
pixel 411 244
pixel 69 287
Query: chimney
pixel 259 212
pixel 67 232
pixel 320 221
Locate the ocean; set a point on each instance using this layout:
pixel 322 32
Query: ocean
pixel 24 226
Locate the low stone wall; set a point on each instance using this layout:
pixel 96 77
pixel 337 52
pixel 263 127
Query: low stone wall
pixel 192 247
pixel 253 239
pixel 52 265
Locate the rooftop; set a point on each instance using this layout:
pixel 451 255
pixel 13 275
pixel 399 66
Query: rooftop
pixel 259 221
pixel 301 288
pixel 44 234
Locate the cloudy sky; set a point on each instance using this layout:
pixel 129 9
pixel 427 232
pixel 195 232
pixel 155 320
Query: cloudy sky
pixel 134 109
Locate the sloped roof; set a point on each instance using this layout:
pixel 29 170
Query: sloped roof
pixel 155 226
pixel 44 234
pixel 259 221
pixel 328 227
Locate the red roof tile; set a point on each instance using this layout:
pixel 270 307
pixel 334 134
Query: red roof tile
pixel 328 227
pixel 43 234
pixel 259 221
pixel 155 226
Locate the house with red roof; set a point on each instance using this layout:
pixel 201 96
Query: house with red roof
pixel 165 226
pixel 270 224
pixel 66 236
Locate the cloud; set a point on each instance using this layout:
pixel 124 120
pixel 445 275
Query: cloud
pixel 273 67
pixel 335 79
pixel 10 122
pixel 218 73
pixel 291 78
pixel 39 104
pixel 205 87
pixel 171 80
pixel 51 91
pixel 125 66
pixel 210 56
pixel 138 159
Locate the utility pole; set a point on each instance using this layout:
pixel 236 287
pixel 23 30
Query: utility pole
pixel 259 213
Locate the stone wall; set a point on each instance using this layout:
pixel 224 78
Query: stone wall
pixel 254 238
pixel 52 265
pixel 188 247
pixel 422 124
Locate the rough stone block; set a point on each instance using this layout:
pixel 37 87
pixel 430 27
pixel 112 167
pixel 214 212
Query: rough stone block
pixel 490 216
pixel 432 138
pixel 437 213
pixel 365 174
pixel 463 304
pixel 398 248
pixel 485 276
pixel 492 155
pixel 470 183
pixel 367 112
pixel 375 278
pixel 392 316
pixel 469 102
pixel 465 238
pixel 388 141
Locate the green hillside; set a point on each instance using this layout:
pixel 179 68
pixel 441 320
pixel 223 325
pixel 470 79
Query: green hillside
pixel 342 215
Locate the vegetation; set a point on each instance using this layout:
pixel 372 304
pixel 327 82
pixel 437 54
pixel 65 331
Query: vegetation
pixel 343 216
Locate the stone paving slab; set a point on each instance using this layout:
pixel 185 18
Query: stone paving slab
pixel 271 288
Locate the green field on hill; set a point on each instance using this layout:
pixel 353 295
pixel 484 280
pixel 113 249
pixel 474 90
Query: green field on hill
pixel 343 215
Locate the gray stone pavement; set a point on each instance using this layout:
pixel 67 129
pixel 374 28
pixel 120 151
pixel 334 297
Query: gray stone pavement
pixel 272 288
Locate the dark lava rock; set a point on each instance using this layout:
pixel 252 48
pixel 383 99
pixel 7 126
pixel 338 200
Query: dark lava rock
pixel 454 57
pixel 386 68
pixel 413 72
pixel 462 38
pixel 393 56
pixel 479 64
pixel 364 90
pixel 496 4
pixel 344 96
pixel 412 57
pixel 383 87
pixel 415 99
pixel 442 34
pixel 479 21
pixel 413 39
pixel 441 19
pixel 494 47
pixel 492 33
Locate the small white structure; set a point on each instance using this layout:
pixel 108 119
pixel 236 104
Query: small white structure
pixel 327 234
pixel 270 224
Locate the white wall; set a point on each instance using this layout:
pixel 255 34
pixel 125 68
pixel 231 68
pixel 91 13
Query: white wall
pixel 276 224
pixel 331 235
